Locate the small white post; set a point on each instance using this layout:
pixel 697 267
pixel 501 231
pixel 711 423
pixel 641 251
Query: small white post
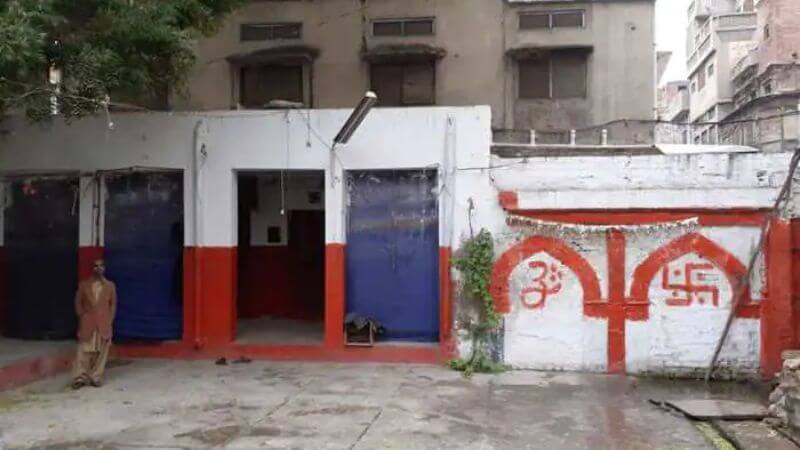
pixel 533 137
pixel 604 137
pixel 572 136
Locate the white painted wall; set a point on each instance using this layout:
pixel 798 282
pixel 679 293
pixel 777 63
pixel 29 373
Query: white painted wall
pixel 681 339
pixel 673 340
pixel 225 142
pixel 273 207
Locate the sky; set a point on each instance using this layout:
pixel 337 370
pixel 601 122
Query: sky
pixel 671 35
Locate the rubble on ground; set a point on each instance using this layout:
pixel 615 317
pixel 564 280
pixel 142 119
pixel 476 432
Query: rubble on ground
pixel 784 401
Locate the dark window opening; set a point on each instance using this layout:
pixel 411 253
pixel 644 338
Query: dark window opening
pixel 404 84
pixel 270 31
pixel 262 84
pixel 568 19
pixel 560 74
pixel 403 27
pixel 546 20
pixel 534 21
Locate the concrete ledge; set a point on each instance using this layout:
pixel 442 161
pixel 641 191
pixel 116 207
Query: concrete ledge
pixel 19 373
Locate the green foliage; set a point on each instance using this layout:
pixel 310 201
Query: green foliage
pixel 129 49
pixel 476 268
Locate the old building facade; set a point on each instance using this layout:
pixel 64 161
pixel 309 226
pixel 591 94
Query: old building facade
pixel 766 81
pixel 742 75
pixel 539 65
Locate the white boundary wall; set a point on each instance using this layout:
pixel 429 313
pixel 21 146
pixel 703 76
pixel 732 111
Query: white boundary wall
pixel 222 143
pixel 457 141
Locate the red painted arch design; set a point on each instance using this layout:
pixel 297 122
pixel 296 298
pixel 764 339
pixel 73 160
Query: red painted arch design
pixel 501 272
pixel 690 243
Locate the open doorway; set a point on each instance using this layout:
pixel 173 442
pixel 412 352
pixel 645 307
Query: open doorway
pixel 281 257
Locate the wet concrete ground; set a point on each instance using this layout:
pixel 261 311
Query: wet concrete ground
pixel 173 404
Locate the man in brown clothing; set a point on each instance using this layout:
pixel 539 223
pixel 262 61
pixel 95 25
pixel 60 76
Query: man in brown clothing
pixel 96 305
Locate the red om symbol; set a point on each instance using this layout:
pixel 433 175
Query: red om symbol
pixel 546 282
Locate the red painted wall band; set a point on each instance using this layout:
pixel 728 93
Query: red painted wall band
pixel 777 313
pixel 708 218
pixel 334 295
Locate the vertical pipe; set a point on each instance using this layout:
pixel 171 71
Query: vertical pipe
pixel 198 154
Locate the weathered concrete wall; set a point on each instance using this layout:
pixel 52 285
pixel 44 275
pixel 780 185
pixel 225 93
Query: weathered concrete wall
pixel 474 71
pixel 621 68
pixel 782 18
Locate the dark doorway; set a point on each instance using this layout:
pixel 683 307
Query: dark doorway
pixel 41 239
pixel 144 253
pixel 392 258
pixel 307 261
pixel 281 266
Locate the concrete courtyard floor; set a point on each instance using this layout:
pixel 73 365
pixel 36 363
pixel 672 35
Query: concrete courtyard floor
pixel 158 404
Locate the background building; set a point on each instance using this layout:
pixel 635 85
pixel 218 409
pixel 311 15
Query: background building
pixel 545 66
pixel 719 33
pixel 766 81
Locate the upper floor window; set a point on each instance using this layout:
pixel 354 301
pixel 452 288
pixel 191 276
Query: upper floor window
pixel 551 19
pixel 259 85
pixel 270 31
pixel 701 79
pixel 558 74
pixel 404 84
pixel 403 27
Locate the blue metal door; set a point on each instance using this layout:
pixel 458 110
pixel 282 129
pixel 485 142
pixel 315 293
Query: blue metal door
pixel 41 235
pixel 392 257
pixel 144 253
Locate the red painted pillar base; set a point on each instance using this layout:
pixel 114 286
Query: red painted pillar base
pixel 334 295
pixel 209 296
pixel 777 312
pixel 447 344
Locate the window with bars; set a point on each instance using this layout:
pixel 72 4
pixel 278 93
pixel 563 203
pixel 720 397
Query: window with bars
pixel 404 84
pixel 270 31
pixel 403 27
pixel 551 19
pixel 558 74
pixel 260 85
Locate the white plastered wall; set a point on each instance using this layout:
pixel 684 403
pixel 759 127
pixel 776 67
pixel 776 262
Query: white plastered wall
pixel 220 144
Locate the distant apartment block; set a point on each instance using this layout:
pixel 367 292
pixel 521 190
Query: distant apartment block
pixel 539 64
pixel 719 33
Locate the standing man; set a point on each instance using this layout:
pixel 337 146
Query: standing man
pixel 96 306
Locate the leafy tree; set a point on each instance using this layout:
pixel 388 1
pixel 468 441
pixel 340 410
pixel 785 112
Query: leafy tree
pixel 136 50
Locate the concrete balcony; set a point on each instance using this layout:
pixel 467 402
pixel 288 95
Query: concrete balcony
pixel 677 104
pixel 744 66
pixel 702 9
pixel 724 28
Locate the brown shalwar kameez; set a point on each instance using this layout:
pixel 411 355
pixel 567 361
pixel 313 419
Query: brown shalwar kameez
pixel 95 304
